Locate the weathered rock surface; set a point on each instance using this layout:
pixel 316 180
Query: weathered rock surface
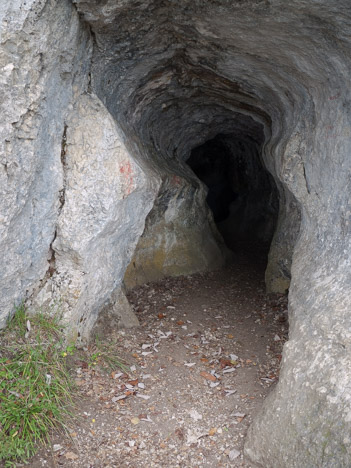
pixel 174 75
pixel 44 61
pixel 179 238
pixel 105 198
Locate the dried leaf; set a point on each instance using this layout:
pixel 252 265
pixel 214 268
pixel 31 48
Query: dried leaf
pixel 144 397
pixel 116 376
pixel 208 376
pixel 195 415
pixel 212 431
pixel 233 454
pixel 225 363
pixel 133 382
pixel 146 345
pixel 117 398
pixel 71 456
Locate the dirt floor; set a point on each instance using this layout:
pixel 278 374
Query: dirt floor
pixel 204 359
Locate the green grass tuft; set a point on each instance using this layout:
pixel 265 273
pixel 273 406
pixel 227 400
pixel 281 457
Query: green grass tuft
pixel 103 353
pixel 35 387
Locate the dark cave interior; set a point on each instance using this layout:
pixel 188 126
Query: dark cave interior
pixel 242 195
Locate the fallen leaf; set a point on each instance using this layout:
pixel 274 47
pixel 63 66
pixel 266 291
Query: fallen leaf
pixel 147 419
pixel 135 421
pixel 225 363
pixel 161 316
pixel 117 376
pixel 146 345
pixel 208 376
pixel 57 447
pixel 233 454
pixel 214 384
pixel 71 456
pixel 239 415
pixel 195 415
pixel 79 382
pixel 117 398
pixel 144 397
pixel 180 322
pixel 133 382
pixel 212 431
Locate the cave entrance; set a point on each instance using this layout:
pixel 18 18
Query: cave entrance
pixel 242 195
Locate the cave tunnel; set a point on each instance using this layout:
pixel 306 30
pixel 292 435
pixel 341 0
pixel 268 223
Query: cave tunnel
pixel 241 193
pixel 142 140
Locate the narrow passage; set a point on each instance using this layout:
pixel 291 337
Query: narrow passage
pixel 205 357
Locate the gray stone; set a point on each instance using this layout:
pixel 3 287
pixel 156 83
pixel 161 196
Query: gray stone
pixel 116 314
pixel 105 200
pixel 45 55
pixel 180 237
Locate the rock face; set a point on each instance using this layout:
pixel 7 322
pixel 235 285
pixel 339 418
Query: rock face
pixel 103 205
pixel 103 104
pixel 44 61
pixel 179 237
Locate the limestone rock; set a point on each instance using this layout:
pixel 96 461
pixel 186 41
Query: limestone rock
pixel 179 238
pixel 44 58
pixel 116 314
pixel 106 197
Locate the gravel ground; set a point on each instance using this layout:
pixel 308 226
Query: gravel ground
pixel 205 357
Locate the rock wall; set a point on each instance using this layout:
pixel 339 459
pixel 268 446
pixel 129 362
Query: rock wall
pixel 180 237
pixel 73 201
pixel 44 60
pixel 103 206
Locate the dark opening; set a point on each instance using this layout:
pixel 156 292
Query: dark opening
pixel 241 193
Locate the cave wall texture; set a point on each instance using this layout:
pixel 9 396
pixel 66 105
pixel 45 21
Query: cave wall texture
pixel 102 103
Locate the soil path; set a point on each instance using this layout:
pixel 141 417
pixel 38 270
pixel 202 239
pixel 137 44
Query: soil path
pixel 205 357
